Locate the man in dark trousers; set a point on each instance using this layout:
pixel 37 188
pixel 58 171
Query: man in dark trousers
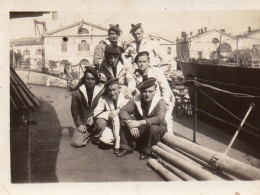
pixel 84 101
pixel 143 121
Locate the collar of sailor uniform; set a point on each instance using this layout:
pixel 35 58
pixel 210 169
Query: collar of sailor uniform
pixel 119 68
pixel 107 41
pixel 154 102
pixel 97 89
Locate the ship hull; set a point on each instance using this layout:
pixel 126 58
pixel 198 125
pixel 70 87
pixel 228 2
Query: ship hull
pixel 233 79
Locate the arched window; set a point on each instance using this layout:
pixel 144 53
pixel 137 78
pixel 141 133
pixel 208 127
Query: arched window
pixel 39 51
pixel 26 52
pixel 83 46
pixel 63 45
pixel 169 50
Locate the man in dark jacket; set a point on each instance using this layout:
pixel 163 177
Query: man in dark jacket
pixel 143 121
pixel 84 101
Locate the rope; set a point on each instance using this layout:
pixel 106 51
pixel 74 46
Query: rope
pixel 242 86
pixel 224 121
pixel 227 110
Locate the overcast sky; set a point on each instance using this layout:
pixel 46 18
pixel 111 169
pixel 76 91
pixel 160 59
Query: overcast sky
pixel 168 24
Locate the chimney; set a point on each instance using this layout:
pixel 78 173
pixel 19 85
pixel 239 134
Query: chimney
pixel 201 30
pixel 190 33
pixel 222 30
pixel 249 29
pixel 205 28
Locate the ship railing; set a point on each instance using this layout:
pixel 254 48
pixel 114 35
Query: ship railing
pixel 199 85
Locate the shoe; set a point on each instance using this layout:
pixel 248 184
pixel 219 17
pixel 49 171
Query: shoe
pixel 123 153
pixel 144 156
pixel 116 151
pixel 104 146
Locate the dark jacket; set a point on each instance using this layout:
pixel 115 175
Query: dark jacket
pixel 80 109
pixel 156 114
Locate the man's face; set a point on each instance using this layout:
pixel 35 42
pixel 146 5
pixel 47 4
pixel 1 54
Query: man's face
pixel 138 34
pixel 113 36
pixel 90 80
pixel 143 62
pixel 113 91
pixel 148 94
pixel 113 60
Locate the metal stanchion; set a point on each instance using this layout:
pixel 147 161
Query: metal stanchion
pixel 239 128
pixel 195 112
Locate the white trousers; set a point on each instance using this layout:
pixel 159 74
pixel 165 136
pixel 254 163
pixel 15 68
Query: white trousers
pixel 110 135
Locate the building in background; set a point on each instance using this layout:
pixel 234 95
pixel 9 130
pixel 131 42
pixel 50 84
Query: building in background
pixel 72 45
pixel 27 52
pixel 169 49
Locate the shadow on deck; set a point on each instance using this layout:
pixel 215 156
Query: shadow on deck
pixel 50 157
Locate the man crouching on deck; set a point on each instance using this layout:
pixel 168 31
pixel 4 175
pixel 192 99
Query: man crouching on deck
pixel 84 100
pixel 106 114
pixel 143 121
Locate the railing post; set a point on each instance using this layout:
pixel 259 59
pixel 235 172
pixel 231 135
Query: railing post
pixel 239 128
pixel 195 111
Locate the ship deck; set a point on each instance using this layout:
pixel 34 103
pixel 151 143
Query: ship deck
pixel 42 153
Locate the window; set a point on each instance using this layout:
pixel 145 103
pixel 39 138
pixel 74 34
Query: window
pixel 200 54
pixel 83 46
pixel 26 52
pixel 39 51
pixel 169 50
pixel 63 46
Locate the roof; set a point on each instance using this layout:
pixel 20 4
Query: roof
pixel 253 31
pixel 27 41
pixel 156 37
pixel 245 35
pixel 208 32
pixel 76 24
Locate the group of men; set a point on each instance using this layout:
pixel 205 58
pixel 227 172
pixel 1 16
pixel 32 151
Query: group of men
pixel 123 103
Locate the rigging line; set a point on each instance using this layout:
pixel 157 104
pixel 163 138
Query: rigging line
pixel 228 84
pixel 224 121
pixel 227 110
pixel 239 95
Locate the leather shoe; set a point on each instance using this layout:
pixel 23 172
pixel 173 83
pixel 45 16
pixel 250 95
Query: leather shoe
pixel 123 153
pixel 143 156
pixel 116 151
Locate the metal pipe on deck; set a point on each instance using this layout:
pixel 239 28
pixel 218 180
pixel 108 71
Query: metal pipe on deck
pixel 220 161
pixel 182 156
pixel 195 171
pixel 184 176
pixel 166 174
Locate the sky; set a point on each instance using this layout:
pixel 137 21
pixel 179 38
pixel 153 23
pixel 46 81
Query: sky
pixel 168 24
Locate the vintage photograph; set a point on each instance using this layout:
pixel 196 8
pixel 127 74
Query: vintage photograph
pixel 134 96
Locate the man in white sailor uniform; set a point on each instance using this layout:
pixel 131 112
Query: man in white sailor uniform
pixel 106 114
pixel 84 100
pixel 157 56
pixel 143 121
pixel 113 33
pixel 146 71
